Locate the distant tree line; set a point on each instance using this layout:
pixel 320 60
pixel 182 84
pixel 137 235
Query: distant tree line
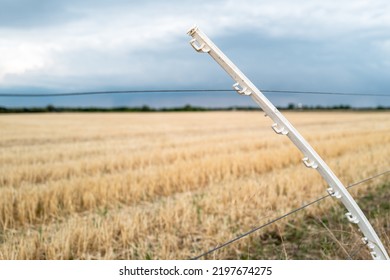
pixel 186 108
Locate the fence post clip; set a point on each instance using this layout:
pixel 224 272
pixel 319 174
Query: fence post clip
pixel 199 47
pixel 309 163
pixel 241 90
pixel 333 193
pixel 279 129
pixel 371 247
pixel 351 218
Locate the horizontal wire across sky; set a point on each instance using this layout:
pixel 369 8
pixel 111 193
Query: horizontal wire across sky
pixel 19 95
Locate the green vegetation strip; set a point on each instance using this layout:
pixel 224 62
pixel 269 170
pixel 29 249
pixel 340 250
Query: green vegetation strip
pixel 328 236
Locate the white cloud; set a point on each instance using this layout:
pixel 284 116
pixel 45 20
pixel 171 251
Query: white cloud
pixel 18 58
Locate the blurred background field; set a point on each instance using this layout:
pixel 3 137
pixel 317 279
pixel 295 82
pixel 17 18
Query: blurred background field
pixel 173 185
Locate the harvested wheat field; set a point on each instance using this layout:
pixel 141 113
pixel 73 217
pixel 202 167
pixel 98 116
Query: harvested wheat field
pixel 173 185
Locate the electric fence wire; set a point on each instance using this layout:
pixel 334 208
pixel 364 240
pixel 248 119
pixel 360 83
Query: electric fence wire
pixel 284 216
pixel 354 253
pixel 19 95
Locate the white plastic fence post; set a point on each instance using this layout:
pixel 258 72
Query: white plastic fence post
pixel 243 86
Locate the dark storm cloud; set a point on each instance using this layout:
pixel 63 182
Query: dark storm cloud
pixel 48 13
pixel 33 14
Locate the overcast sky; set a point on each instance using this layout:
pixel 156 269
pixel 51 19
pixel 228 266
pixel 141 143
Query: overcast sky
pixel 68 46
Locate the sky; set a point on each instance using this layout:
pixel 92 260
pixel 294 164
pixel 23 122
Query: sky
pixel 54 46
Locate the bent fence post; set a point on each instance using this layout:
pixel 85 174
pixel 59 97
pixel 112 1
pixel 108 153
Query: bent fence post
pixel 201 43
